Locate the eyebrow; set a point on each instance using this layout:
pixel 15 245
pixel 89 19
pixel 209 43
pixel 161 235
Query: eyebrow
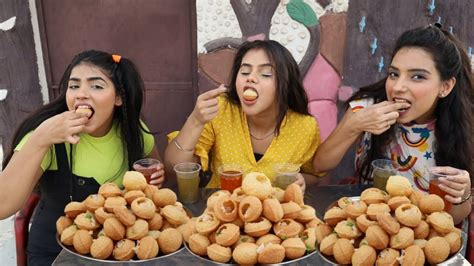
pixel 412 69
pixel 262 65
pixel 88 79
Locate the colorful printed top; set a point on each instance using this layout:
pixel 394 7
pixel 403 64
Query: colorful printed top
pixel 101 158
pixel 412 150
pixel 227 138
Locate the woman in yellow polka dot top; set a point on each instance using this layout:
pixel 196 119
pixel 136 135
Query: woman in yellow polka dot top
pixel 261 120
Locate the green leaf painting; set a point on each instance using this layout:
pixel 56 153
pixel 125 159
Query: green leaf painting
pixel 302 12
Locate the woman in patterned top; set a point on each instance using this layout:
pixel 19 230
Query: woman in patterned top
pixel 420 116
pixel 262 119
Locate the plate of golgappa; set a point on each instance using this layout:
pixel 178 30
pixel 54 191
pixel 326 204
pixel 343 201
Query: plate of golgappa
pixel 255 224
pixel 139 223
pixel 388 228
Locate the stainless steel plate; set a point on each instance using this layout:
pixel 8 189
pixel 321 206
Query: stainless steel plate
pixel 71 250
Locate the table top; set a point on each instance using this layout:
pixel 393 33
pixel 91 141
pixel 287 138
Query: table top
pixel 319 197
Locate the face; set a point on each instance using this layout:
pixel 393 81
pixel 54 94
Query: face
pixel 256 84
pixel 89 87
pixel 413 78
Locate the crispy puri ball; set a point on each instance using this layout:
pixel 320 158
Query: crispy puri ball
pixel 343 251
pixel 82 241
pixel 431 203
pixel 364 255
pixel 147 248
pixel 437 250
pixel 134 180
pixel 245 254
pixel 102 247
pixel 399 186
pixel 257 184
pixel 170 240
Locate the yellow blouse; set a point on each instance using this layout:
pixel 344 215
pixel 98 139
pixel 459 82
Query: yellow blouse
pixel 228 139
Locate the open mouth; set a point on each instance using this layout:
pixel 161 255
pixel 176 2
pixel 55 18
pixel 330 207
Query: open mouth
pixel 85 109
pixel 401 100
pixel 250 94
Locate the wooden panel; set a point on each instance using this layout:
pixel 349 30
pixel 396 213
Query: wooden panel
pixel 158 35
pixel 18 69
pixel 168 113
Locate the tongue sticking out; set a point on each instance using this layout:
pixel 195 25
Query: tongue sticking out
pixel 84 110
pixel 250 95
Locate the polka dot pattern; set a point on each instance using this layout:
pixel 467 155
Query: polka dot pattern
pixel 226 138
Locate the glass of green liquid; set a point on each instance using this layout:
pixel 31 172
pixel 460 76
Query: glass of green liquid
pixel 382 169
pixel 285 174
pixel 187 174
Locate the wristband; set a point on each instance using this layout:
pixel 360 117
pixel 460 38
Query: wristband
pixel 179 146
pixel 463 200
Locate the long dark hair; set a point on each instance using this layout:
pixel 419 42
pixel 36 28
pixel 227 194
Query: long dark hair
pixel 454 113
pixel 128 85
pixel 290 92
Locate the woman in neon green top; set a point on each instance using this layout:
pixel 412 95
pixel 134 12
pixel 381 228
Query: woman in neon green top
pixel 261 120
pixel 89 135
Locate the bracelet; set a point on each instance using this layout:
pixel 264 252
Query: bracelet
pixel 179 146
pixel 463 200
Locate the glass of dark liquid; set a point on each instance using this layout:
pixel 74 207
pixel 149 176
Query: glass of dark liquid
pixel 230 176
pixel 434 188
pixel 382 169
pixel 146 166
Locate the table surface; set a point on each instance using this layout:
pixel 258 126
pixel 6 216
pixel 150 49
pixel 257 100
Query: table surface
pixel 319 197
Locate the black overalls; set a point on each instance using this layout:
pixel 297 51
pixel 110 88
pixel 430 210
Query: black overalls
pixel 56 188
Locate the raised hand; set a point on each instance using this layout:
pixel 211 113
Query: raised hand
pixel 61 128
pixel 376 118
pixel 206 107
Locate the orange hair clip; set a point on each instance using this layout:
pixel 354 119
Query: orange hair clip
pixel 116 58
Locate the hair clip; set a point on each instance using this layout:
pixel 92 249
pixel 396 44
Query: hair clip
pixel 438 25
pixel 116 58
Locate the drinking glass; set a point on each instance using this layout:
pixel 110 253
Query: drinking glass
pixel 382 170
pixel 434 188
pixel 187 174
pixel 285 174
pixel 146 166
pixel 230 176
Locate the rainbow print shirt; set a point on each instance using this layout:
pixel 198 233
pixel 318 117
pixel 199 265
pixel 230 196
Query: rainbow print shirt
pixel 412 150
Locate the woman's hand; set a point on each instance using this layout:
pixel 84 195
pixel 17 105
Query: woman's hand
pixel 456 183
pixel 61 128
pixel 300 182
pixel 207 105
pixel 376 118
pixel 158 177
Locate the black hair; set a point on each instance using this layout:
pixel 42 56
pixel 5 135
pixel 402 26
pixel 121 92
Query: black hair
pixel 453 113
pixel 129 87
pixel 290 93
